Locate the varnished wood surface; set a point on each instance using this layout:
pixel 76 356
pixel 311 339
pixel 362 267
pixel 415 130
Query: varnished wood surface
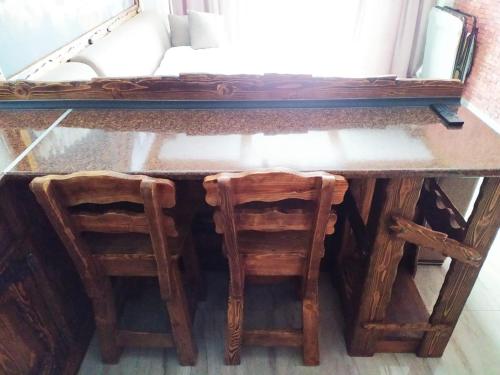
pixel 232 87
pixel 195 143
pixel 438 241
pixel 61 196
pixel 254 254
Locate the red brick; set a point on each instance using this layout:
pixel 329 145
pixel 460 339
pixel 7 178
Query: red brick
pixel 483 86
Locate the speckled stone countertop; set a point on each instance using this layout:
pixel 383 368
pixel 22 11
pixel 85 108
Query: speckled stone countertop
pixel 18 129
pixel 356 142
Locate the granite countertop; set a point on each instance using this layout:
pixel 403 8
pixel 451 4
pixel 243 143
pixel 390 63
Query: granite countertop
pixel 377 142
pixel 18 129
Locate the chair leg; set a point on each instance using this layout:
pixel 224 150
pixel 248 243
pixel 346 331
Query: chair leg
pixel 180 320
pixel 105 318
pixel 234 331
pixel 310 324
pixel 193 269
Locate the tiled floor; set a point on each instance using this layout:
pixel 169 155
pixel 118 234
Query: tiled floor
pixel 473 349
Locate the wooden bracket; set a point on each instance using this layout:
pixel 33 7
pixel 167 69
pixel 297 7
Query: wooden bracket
pixel 438 241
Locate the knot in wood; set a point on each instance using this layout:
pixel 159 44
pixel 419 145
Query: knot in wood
pixel 224 89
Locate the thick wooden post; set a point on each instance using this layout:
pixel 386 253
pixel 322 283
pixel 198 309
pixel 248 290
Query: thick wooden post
pixel 398 196
pixel 480 233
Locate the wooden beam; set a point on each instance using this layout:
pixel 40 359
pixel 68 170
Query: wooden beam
pixel 394 196
pixel 277 337
pixel 144 339
pixel 481 231
pixel 407 327
pixel 422 236
pixel 233 87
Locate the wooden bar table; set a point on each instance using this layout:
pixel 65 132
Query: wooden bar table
pixel 387 151
pixel 38 333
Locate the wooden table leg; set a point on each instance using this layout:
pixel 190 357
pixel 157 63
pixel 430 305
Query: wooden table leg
pixel 362 192
pixel 480 233
pixel 393 196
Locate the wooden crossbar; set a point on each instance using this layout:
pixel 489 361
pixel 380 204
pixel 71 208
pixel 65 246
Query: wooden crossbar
pixel 144 339
pixel 277 337
pixel 422 236
pixel 407 327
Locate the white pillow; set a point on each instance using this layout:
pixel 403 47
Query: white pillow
pixel 206 29
pixel 179 30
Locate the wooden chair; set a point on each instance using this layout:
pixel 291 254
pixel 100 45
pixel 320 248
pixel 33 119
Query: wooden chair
pixel 114 224
pixel 274 224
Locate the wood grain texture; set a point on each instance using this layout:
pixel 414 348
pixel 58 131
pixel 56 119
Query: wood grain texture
pixel 234 330
pixel 131 254
pixel 232 87
pixel 275 264
pixel 437 241
pixel 482 228
pixel 276 337
pixel 407 327
pixel 273 220
pixel 398 196
pixel 119 222
pixel 397 329
pixel 105 187
pixel 272 241
pixel 272 186
pixel 46 284
pixel 348 263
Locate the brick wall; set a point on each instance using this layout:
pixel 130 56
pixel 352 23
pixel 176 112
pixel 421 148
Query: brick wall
pixel 483 86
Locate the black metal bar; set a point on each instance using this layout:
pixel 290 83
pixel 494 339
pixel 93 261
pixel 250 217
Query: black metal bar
pixel 212 104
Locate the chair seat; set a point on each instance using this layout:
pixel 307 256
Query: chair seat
pixel 293 242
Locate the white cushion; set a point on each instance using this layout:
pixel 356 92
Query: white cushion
pixel 185 59
pixel 70 71
pixel 206 30
pixel 135 48
pixel 179 30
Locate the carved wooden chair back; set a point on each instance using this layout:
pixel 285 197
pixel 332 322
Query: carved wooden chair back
pixel 114 224
pixel 274 224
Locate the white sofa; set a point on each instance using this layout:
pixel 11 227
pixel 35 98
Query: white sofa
pixel 141 47
pixel 135 48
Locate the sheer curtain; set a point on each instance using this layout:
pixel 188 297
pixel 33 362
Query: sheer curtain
pixel 324 37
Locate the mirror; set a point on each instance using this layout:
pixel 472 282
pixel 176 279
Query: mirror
pixel 147 42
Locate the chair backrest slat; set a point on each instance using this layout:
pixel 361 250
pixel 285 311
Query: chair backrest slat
pixel 79 203
pixel 118 222
pixel 103 187
pixel 271 186
pixel 273 220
